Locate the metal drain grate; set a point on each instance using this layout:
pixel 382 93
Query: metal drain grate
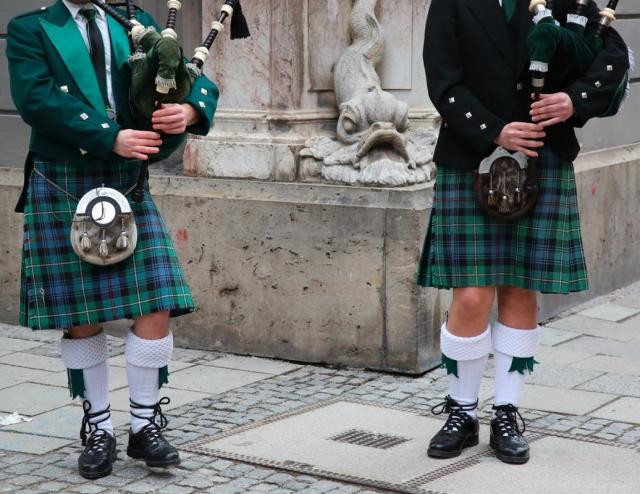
pixel 369 439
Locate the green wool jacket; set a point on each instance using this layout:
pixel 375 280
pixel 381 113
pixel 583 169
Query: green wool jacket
pixel 56 91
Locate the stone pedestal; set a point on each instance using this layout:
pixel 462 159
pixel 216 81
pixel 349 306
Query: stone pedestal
pixel 277 87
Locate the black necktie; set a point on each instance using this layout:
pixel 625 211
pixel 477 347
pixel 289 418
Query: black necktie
pixel 96 47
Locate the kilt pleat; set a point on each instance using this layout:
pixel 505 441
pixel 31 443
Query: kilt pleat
pixel 59 291
pixel 542 251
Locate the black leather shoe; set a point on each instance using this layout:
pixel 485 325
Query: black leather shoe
pixel 149 444
pixel 459 431
pixel 506 436
pixel 96 461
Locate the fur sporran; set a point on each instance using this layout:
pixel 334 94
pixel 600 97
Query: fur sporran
pixel 506 185
pixel 103 231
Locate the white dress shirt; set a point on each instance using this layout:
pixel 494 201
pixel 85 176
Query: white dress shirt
pixel 101 20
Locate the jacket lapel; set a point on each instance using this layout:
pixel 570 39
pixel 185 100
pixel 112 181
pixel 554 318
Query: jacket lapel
pixel 492 20
pixel 120 48
pixel 63 33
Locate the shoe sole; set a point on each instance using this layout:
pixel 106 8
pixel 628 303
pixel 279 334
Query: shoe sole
pixel 511 460
pixel 99 475
pixel 132 453
pixel 470 442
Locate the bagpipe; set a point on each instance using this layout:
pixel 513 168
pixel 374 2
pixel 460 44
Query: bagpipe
pixel 506 185
pixel 159 72
pixel 561 54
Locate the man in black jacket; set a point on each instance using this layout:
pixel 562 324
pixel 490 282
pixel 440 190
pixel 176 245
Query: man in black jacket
pixel 476 61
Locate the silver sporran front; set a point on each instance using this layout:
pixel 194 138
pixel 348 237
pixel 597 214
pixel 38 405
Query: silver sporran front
pixel 103 231
pixel 506 185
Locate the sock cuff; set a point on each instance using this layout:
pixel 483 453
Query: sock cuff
pixel 153 354
pixel 461 348
pixel 521 343
pixel 84 353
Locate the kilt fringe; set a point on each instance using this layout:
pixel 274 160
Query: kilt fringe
pixel 541 251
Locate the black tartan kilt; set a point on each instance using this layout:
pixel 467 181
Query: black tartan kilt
pixel 59 290
pixel 542 251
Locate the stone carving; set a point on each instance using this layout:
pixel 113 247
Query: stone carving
pixel 375 144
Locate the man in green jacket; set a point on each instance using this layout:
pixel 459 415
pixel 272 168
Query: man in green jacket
pixel 70 80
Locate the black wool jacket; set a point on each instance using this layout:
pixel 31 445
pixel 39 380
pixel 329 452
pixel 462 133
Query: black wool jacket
pixel 478 77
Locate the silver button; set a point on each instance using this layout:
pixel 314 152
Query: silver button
pixel 105 125
pixel 609 68
pixel 204 91
pixel 469 115
pixel 64 89
pixel 202 105
pixel 584 95
pixel 82 152
pixel 598 84
pixel 84 116
pixel 519 86
pixel 483 126
pixel 452 100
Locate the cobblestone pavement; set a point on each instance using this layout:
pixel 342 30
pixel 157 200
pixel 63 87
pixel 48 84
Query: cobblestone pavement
pixel 588 384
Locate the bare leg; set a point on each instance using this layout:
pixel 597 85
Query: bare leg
pixel 470 309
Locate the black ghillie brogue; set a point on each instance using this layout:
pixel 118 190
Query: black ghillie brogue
pixel 96 461
pixel 149 444
pixel 459 431
pixel 506 436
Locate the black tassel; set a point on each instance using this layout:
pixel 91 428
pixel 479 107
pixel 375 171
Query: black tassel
pixel 239 26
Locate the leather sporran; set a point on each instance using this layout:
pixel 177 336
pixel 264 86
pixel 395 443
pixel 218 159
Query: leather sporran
pixel 103 231
pixel 506 185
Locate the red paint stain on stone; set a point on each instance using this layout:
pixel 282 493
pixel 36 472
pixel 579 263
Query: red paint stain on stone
pixel 183 235
pixel 593 189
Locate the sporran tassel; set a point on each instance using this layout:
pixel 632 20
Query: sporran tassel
pixel 85 242
pixel 123 241
pixel 504 206
pixel 104 248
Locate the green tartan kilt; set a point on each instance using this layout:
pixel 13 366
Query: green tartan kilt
pixel 541 251
pixel 58 290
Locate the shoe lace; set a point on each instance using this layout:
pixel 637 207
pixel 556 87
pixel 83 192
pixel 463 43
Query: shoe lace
pixel 507 420
pixel 92 427
pixel 457 413
pixel 157 421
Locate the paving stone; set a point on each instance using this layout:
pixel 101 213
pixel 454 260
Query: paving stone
pixel 31 361
pixel 552 336
pixel 12 375
pixel 17 345
pixel 554 459
pixel 177 489
pixel 88 489
pixel 561 377
pixel 26 443
pixel 624 331
pixel 562 400
pixel 563 354
pixel 32 399
pixel 614 383
pixel 254 364
pixel 610 312
pixel 591 345
pixel 63 422
pixel 614 365
pixel 213 380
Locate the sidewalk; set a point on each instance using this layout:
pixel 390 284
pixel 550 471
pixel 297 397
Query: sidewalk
pixel 255 425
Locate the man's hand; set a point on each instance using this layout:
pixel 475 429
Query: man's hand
pixel 522 137
pixel 174 118
pixel 552 109
pixel 137 144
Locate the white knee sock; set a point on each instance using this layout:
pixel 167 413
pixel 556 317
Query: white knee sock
pixel 510 377
pixel 471 355
pixel 88 356
pixel 144 359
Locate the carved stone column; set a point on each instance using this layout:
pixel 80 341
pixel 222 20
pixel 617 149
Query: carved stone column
pixel 277 87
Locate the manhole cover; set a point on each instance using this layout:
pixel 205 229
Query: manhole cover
pixel 369 439
pixel 385 447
